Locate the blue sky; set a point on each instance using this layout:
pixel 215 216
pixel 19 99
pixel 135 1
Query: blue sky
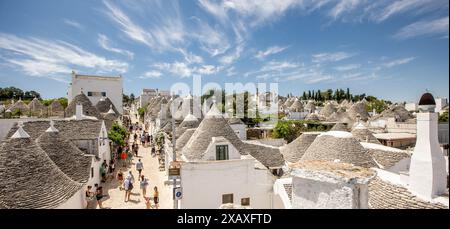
pixel 391 49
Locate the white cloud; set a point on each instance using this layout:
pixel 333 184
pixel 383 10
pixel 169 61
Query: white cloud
pixel 256 12
pixel 269 51
pixel 358 77
pixel 262 10
pixel 73 24
pixel 105 43
pixel 380 11
pixel 39 57
pixel 343 6
pixel 166 32
pixel 216 10
pixel 397 62
pixel 274 66
pixel 211 40
pixel 206 70
pixel 233 56
pixel 189 57
pixel 151 75
pixel 424 28
pixel 319 78
pixel 347 67
pixel 179 69
pixel 231 71
pixel 331 57
pixel 183 70
pixel 132 30
pixel 398 7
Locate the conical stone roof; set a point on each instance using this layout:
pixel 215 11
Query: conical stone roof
pixel 395 111
pixel 19 105
pixel 297 106
pixel 56 106
pixel 29 178
pixel 311 106
pixel 88 108
pixel 104 105
pixel 358 109
pixel 35 105
pixel 327 110
pixel 362 134
pixel 69 159
pixel 184 138
pixel 312 117
pixel 213 125
pixel 339 145
pixel 189 122
pixel 288 102
pixel 294 151
pixel 339 127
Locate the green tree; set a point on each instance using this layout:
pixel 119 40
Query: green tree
pixel 117 134
pixel 141 112
pixel 17 113
pixel 63 101
pixel 443 117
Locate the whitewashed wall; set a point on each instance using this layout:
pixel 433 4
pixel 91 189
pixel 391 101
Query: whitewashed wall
pixel 112 87
pixel 210 152
pixel 204 183
pixel 240 130
pixel 75 202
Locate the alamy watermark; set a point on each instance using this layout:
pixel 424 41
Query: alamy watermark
pixel 250 100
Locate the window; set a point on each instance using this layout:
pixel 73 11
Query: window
pixel 245 201
pixel 222 152
pixel 227 198
pixel 96 94
pixel 92 171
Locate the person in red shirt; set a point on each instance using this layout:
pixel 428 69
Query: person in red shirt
pixel 123 156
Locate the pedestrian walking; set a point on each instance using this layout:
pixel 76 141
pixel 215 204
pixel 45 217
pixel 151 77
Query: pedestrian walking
pixel 156 197
pixel 139 167
pixel 136 149
pixel 120 179
pixel 148 204
pixel 123 157
pixel 99 195
pixel 142 139
pixel 143 185
pixel 88 195
pixel 128 185
pixel 103 172
pixel 129 157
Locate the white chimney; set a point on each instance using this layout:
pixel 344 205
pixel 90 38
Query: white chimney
pixel 79 112
pixel 427 172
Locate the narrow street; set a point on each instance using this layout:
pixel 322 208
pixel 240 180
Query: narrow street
pixel 116 197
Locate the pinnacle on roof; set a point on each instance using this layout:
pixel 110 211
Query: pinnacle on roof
pixel 52 128
pixel 190 117
pixel 213 111
pixel 111 111
pixel 20 133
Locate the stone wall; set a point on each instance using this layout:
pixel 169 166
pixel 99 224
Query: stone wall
pixel 384 195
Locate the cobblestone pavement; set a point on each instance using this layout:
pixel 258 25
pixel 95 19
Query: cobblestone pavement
pixel 116 198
